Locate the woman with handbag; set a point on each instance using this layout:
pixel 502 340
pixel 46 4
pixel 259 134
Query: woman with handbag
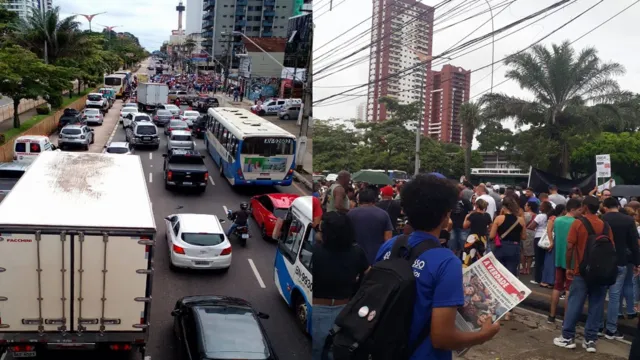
pixel 549 270
pixel 507 231
pixel 540 226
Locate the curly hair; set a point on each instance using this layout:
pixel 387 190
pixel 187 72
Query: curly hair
pixel 427 199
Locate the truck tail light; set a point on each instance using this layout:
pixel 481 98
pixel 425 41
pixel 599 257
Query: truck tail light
pixel 206 176
pixel 21 348
pixel 169 175
pixel 120 347
pixel 226 251
pixel 178 250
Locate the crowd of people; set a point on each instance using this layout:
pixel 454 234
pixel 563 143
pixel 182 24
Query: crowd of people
pixel 545 235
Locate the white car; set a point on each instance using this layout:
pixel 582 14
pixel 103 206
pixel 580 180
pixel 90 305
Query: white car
pixel 130 105
pixel 173 108
pixel 97 101
pixel 197 241
pixel 189 117
pixel 93 116
pixel 130 118
pixel 123 148
pixel 126 111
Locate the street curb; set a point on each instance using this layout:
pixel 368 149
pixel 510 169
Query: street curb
pixel 542 305
pixel 297 176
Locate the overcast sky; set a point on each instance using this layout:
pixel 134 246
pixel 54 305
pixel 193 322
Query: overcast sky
pixel 616 41
pixel 150 20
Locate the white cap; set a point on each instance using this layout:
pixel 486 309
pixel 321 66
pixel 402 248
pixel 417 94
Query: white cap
pixel 496 187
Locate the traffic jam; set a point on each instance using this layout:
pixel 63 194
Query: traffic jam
pixel 176 229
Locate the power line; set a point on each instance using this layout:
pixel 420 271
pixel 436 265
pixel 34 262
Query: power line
pixel 465 45
pixel 331 9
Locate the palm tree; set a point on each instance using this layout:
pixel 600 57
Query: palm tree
pixel 471 118
pixel 570 92
pixel 45 28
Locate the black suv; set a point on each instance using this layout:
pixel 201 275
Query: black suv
pixel 71 117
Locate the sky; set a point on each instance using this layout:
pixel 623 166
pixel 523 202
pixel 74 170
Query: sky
pixel 616 42
pixel 149 20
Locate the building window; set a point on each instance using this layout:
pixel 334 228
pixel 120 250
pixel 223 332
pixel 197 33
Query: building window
pixel 258 8
pixel 224 15
pixel 256 28
pixel 226 6
pixel 250 8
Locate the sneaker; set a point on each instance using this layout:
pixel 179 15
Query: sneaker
pixel 533 282
pixel 590 346
pixel 564 343
pixel 551 319
pixel 601 332
pixel 613 335
pixel 563 296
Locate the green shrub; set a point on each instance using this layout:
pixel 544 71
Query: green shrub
pixel 43 109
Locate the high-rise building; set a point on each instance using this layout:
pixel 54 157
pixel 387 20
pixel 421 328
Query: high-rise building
pixel 23 7
pixel 254 18
pixel 401 30
pixel 194 17
pixel 360 113
pixel 451 87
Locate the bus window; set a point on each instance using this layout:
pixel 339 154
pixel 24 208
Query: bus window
pixel 233 146
pixel 268 146
pixel 306 250
pixel 293 239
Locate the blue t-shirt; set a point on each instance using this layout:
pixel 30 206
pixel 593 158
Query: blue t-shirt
pixel 439 284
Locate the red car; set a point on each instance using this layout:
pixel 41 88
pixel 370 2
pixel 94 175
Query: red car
pixel 267 208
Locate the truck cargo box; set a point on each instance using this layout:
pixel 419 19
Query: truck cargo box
pixel 76 247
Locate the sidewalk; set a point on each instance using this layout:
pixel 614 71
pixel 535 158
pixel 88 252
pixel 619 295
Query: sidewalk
pixel 6 125
pixel 540 299
pixel 528 337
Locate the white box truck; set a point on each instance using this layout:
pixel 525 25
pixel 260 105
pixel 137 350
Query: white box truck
pixel 151 94
pixel 77 235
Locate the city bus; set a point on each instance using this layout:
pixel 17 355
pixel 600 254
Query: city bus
pixel 127 74
pixel 248 149
pixel 117 82
pixel 293 266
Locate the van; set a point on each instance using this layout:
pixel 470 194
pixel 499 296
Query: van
pixel 273 106
pixel 27 148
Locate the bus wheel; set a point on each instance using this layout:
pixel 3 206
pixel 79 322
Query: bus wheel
pixel 302 313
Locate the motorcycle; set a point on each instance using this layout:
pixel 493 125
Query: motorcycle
pixel 240 232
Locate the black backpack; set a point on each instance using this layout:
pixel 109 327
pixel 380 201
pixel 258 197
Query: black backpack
pixel 599 265
pixel 375 324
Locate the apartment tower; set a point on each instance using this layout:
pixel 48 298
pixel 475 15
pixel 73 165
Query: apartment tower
pixel 23 7
pixel 401 30
pixel 450 89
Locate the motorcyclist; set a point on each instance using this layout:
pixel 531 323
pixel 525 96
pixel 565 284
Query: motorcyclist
pixel 239 217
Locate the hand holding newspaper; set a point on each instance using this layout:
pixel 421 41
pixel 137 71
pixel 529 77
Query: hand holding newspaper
pixel 490 291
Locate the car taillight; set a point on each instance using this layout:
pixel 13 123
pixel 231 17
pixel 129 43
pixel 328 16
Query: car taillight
pixel 169 129
pixel 21 348
pixel 169 175
pixel 120 347
pixel 206 176
pixel 155 118
pixel 178 250
pixel 226 251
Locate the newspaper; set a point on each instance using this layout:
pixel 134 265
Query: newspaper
pixel 490 291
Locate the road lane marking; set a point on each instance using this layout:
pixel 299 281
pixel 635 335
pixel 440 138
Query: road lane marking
pixel 212 183
pixel 150 157
pixel 150 177
pixel 225 209
pixel 256 273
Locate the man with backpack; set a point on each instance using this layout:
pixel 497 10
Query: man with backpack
pixel 406 306
pixel 591 267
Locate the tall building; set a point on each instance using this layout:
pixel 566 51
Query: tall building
pixel 401 30
pixel 360 114
pixel 450 90
pixel 254 18
pixel 23 7
pixel 194 17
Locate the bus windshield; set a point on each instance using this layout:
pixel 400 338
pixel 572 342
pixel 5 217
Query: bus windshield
pixel 270 146
pixel 112 81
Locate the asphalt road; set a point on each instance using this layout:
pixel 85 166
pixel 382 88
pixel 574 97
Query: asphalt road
pixel 256 286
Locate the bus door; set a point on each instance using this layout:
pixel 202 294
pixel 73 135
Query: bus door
pixel 293 266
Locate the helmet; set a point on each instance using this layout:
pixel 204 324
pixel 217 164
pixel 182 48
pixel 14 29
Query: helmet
pixel 244 206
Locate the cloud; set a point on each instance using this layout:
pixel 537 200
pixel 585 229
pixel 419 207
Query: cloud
pixel 149 20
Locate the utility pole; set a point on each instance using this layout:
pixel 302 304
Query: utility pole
pixel 229 53
pixel 306 109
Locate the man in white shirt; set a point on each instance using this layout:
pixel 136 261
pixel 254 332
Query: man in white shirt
pixel 482 193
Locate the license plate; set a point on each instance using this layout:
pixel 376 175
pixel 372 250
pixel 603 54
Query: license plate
pixel 245 236
pixel 201 262
pixel 264 174
pixel 147 138
pixel 24 354
pixel 187 183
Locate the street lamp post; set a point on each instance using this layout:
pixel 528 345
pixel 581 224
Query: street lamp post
pixel 90 17
pixel 109 29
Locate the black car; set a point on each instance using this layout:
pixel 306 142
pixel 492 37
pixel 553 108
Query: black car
pixel 199 127
pixel 203 104
pixel 211 327
pixel 186 169
pixel 162 117
pixel 71 117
